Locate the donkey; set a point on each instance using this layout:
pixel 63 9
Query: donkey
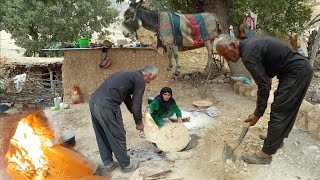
pixel 198 30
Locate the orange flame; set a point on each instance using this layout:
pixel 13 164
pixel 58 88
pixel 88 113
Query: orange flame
pixel 27 145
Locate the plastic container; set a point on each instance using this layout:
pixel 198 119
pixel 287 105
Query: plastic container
pixel 57 101
pixel 84 42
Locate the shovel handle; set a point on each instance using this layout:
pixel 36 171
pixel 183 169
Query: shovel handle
pixel 244 132
pixel 248 124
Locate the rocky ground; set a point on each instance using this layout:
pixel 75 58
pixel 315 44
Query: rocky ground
pixel 298 159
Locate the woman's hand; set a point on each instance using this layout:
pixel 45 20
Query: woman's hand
pixel 147 110
pixel 180 120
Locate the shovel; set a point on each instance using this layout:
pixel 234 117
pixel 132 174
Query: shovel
pixel 228 151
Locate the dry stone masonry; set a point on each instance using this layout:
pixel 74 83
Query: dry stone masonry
pixel 308 117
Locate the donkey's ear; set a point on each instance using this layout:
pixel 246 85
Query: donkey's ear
pixel 132 2
pixel 139 3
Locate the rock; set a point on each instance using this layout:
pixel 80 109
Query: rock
pixel 317 74
pixel 236 87
pixel 304 152
pixel 280 151
pixel 253 93
pixel 313 148
pixel 173 156
pixel 229 162
pixel 221 81
pixel 242 90
pixel 305 106
pixel 316 96
pixel 221 77
pixel 302 123
pixel 314 115
pixel 247 94
pixel 186 77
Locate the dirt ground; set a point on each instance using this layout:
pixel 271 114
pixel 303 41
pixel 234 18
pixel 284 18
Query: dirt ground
pixel 298 159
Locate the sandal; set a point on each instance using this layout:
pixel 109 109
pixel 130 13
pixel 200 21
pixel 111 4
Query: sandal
pixel 254 159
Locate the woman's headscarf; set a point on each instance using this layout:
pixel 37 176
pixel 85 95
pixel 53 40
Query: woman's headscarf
pixel 165 104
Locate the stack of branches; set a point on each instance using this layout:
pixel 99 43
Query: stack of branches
pixel 35 87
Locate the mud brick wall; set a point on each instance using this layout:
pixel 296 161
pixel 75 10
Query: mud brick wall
pixel 81 67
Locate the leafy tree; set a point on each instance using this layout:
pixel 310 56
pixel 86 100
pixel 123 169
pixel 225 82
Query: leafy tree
pixel 35 24
pixel 284 16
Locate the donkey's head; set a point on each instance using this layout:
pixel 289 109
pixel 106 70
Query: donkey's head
pixel 131 22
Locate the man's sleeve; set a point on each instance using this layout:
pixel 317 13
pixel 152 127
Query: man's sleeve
pixel 138 91
pixel 261 79
pixel 128 102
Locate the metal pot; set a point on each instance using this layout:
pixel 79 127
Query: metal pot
pixel 39 103
pixel 68 139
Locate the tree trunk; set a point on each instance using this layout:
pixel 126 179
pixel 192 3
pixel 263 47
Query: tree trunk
pixel 315 48
pixel 220 9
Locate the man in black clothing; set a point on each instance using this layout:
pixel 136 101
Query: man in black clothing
pixel 266 57
pixel 107 119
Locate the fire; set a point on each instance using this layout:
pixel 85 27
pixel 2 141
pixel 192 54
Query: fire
pixel 27 146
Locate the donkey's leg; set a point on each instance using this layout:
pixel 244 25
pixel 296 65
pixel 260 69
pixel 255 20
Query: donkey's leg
pixel 210 55
pixel 176 57
pixel 170 57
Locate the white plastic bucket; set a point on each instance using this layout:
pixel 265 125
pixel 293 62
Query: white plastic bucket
pixel 57 101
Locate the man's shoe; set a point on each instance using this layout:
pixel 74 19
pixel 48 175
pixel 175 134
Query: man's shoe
pixel 134 164
pixel 100 170
pixel 262 136
pixel 254 159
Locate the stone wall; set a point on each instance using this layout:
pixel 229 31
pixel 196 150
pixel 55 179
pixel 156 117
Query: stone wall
pixel 308 117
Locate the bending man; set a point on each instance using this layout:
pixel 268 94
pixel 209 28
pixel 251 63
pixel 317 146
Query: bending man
pixel 107 119
pixel 266 57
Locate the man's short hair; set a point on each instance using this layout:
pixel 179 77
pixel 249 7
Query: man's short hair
pixel 223 40
pixel 150 69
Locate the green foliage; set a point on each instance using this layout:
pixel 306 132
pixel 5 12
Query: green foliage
pixel 181 6
pixel 284 16
pixel 281 16
pixel 35 24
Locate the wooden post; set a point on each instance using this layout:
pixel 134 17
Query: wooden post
pixel 51 81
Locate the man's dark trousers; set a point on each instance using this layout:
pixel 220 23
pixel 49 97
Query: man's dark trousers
pixel 110 134
pixel 284 109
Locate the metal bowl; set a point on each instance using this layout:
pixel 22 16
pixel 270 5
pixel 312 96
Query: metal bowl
pixel 68 139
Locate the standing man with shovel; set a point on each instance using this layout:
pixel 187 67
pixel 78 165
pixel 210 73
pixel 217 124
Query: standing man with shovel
pixel 266 57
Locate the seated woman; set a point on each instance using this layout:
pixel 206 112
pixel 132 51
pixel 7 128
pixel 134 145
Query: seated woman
pixel 164 106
